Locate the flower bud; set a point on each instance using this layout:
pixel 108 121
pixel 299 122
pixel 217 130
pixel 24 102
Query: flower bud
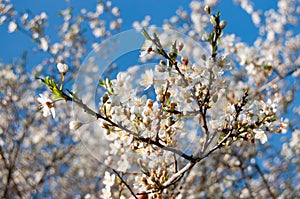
pixel 207 9
pixel 149 50
pixel 244 122
pixel 213 20
pixel 74 125
pixel 149 103
pixel 167 95
pixel 62 68
pixel 162 62
pixel 185 61
pixel 115 11
pixel 12 27
pixel 180 46
pixel 173 105
pixel 223 24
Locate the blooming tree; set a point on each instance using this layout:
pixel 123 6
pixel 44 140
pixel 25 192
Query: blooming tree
pixel 192 119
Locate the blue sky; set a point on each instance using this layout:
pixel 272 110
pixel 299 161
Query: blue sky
pixel 13 45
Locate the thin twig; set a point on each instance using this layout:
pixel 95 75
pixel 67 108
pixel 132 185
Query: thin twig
pixel 177 176
pixel 264 180
pixel 276 79
pixel 123 181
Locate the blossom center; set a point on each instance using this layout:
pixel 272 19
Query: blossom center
pixel 49 104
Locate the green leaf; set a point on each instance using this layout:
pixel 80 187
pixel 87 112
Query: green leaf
pixel 173 47
pixel 156 37
pixel 144 169
pixel 101 83
pixel 160 51
pixel 215 48
pixel 268 67
pixel 58 93
pixel 145 34
pixel 49 81
pixel 105 98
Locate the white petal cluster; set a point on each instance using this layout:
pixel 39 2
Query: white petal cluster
pixel 109 181
pixel 62 68
pixel 46 105
pixel 261 135
pixel 12 26
pixel 44 44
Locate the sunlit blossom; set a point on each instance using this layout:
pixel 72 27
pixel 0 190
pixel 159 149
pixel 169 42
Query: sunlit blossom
pixel 115 11
pixel 62 68
pixel 147 48
pixel 109 180
pixel 225 62
pixel 283 125
pixel 12 26
pixel 106 193
pixel 99 32
pixel 44 44
pixel 47 106
pixel 147 79
pixel 261 135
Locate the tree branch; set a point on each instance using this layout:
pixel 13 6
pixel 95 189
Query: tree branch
pixel 123 181
pixel 264 180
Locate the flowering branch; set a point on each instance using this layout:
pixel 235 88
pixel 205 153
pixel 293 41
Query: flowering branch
pixel 183 90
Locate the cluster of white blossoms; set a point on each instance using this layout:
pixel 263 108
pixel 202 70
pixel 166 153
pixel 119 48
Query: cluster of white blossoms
pixel 109 181
pixel 168 118
pixel 47 105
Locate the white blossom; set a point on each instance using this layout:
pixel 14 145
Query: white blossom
pixel 283 125
pixel 109 180
pixel 44 44
pixel 147 48
pixel 173 112
pixel 99 32
pixel 47 106
pixel 123 164
pixel 147 79
pixel 115 11
pixel 43 15
pixel 12 26
pixel 100 8
pixel 261 135
pixel 62 68
pixel 106 193
pixel 2 19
